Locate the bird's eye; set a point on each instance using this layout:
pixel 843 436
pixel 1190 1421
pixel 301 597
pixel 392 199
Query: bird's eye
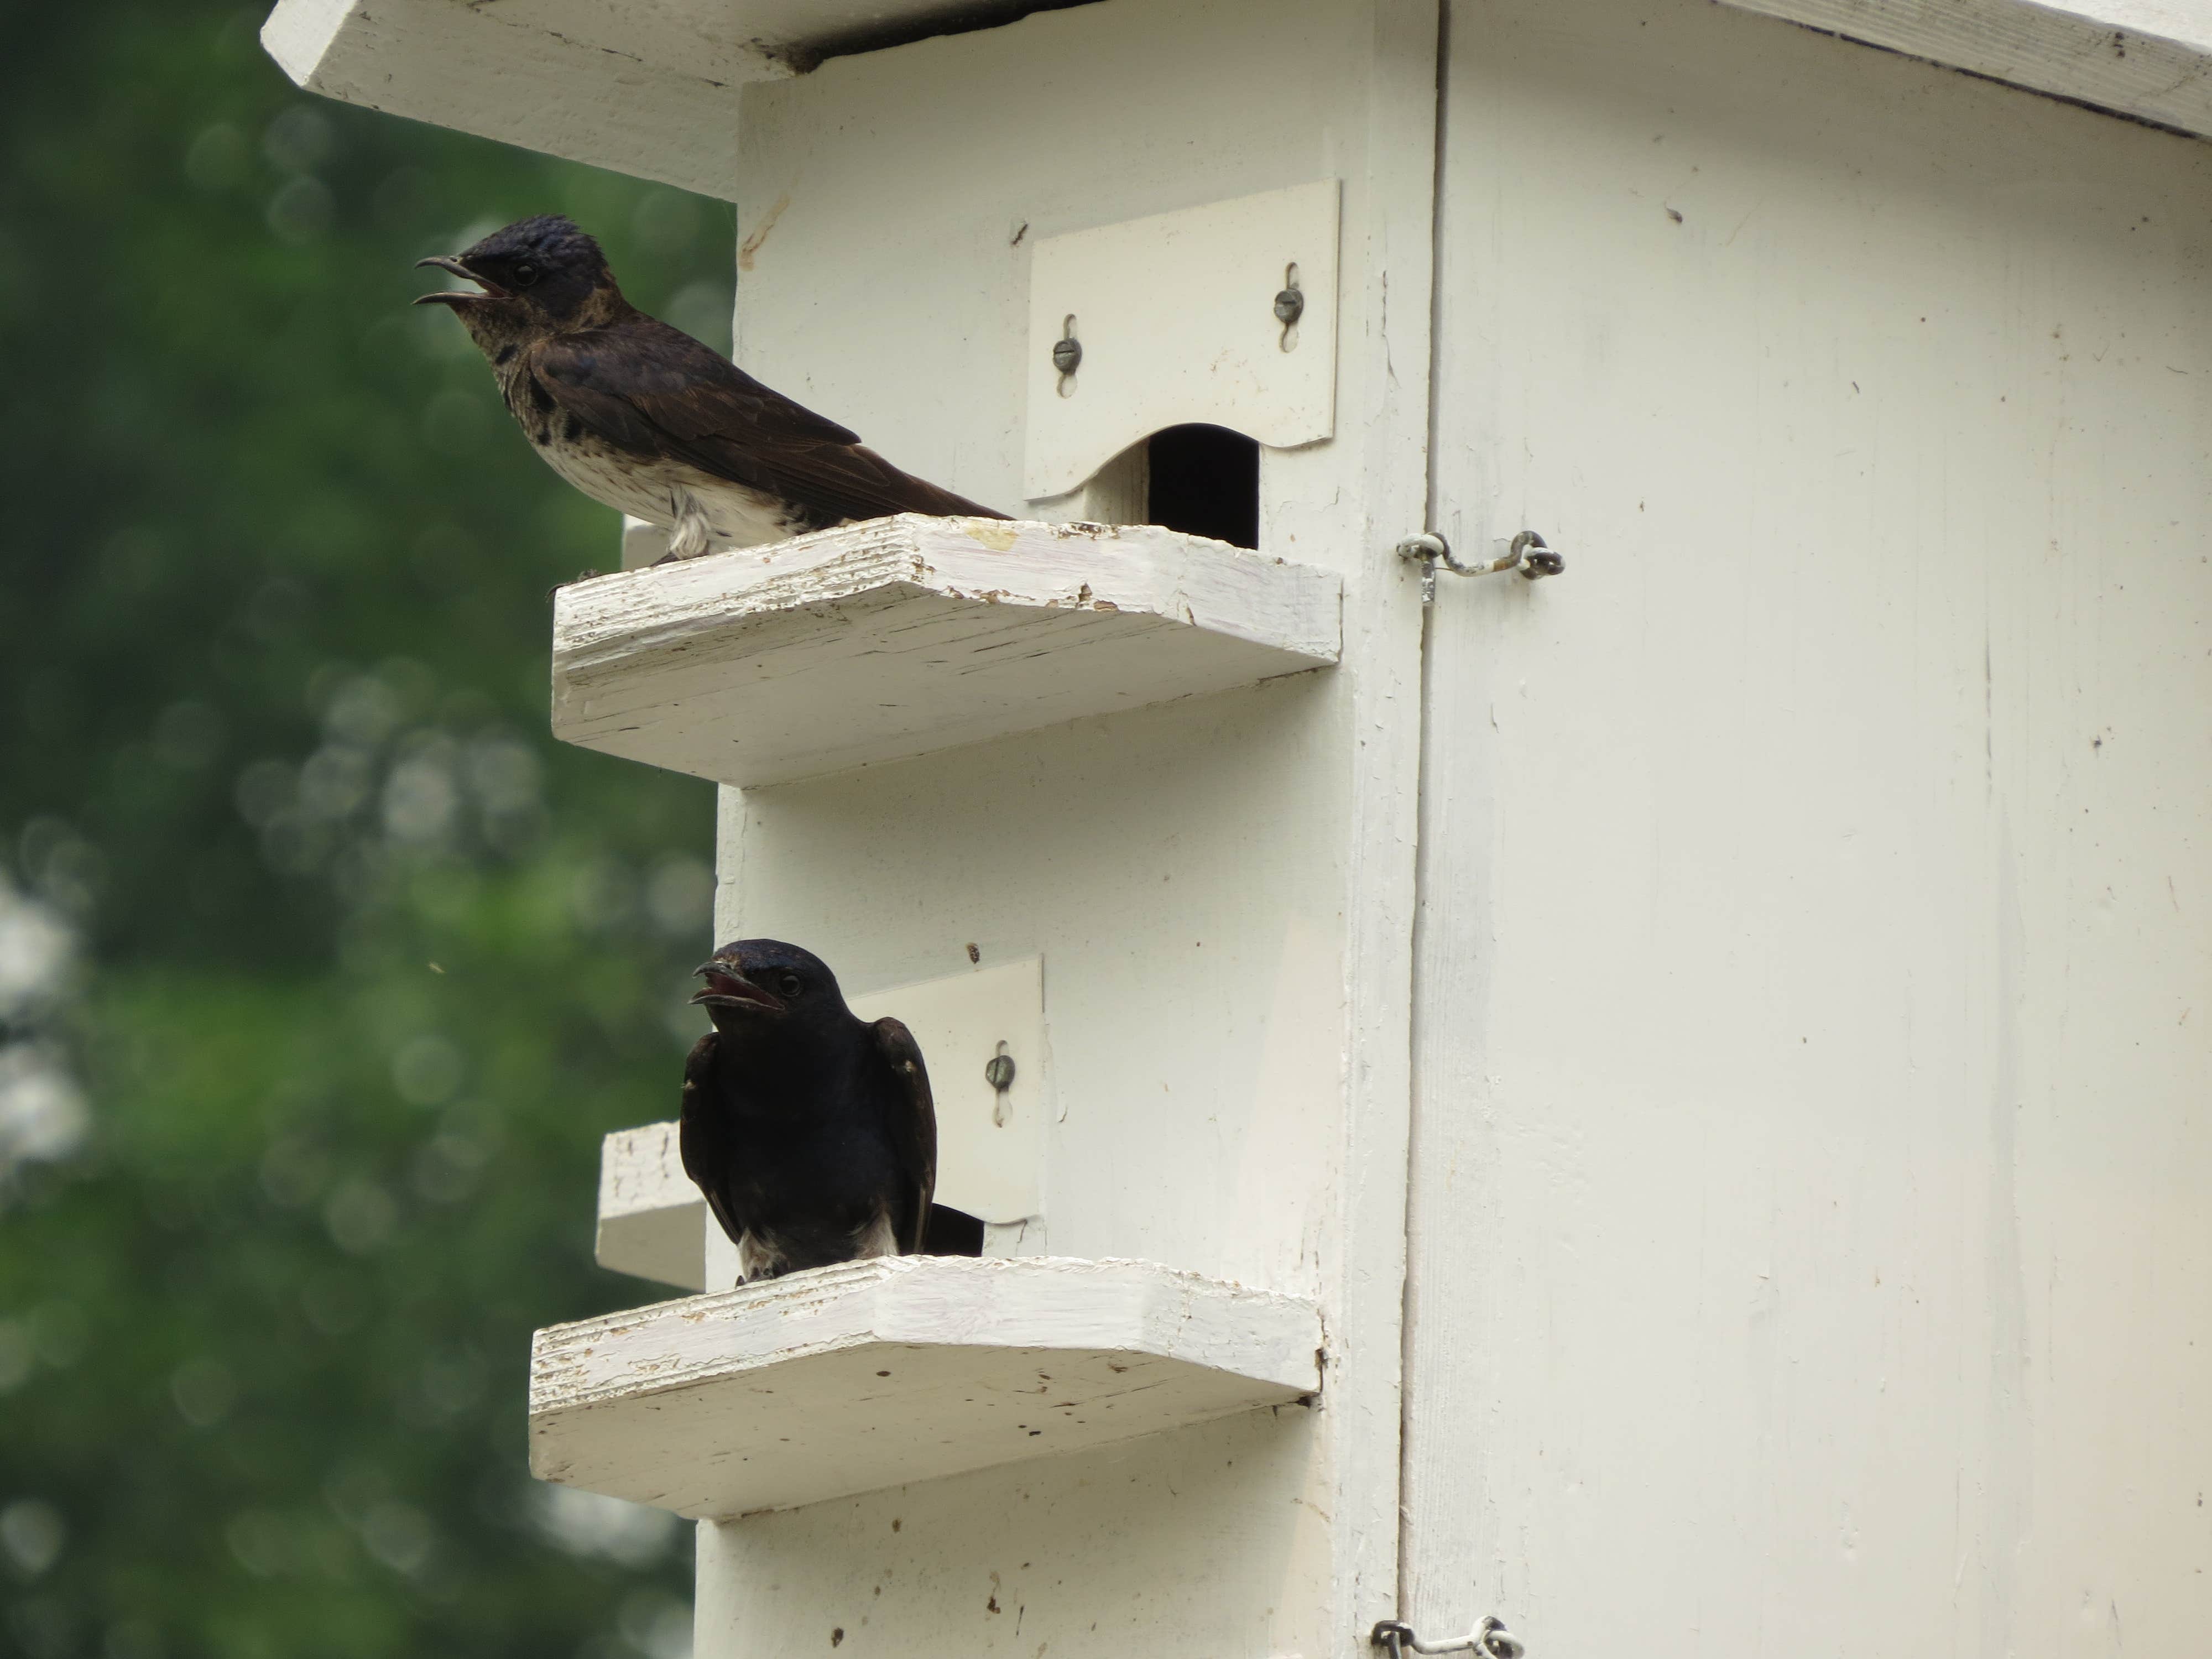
pixel 524 274
pixel 789 985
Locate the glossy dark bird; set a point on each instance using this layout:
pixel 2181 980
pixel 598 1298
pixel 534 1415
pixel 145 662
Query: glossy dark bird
pixel 810 1130
pixel 643 417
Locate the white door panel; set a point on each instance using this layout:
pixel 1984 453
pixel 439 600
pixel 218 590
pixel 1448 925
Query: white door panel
pixel 1812 980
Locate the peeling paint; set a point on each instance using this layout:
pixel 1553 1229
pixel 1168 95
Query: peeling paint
pixel 997 534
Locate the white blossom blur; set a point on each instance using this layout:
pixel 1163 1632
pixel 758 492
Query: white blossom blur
pixel 37 950
pixel 394 778
pixel 43 1114
pixel 587 1523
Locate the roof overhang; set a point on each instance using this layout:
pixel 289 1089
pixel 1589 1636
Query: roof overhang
pixel 649 87
pixel 2150 59
pixel 643 87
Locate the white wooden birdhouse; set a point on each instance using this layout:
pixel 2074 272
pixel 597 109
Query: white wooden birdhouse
pixel 1666 1104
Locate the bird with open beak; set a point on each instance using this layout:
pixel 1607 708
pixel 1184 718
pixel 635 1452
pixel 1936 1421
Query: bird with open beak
pixel 810 1130
pixel 643 417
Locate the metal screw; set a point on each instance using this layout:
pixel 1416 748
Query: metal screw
pixel 998 1072
pixel 1290 306
pixel 1068 355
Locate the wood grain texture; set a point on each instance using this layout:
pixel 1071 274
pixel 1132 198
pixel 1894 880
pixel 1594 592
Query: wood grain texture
pixel 874 641
pixel 642 89
pixel 875 1373
pixel 2149 58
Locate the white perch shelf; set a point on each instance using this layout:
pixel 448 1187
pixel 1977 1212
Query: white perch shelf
pixel 900 636
pixel 879 1373
pixel 652 1223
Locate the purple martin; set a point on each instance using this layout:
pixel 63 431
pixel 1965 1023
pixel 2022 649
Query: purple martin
pixel 810 1130
pixel 646 419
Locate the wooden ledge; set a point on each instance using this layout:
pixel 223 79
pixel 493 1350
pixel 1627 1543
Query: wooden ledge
pixel 652 1223
pixel 897 637
pixel 879 1373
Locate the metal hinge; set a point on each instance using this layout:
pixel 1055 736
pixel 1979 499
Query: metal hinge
pixel 1488 1640
pixel 1527 552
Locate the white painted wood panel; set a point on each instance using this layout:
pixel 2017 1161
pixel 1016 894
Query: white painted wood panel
pixel 990 1144
pixel 1176 316
pixel 1209 1538
pixel 650 1212
pixel 644 88
pixel 642 543
pixel 878 640
pixel 1813 1055
pixel 1177 874
pixel 2149 58
pixel 650 87
pixel 1222 889
pixel 878 1373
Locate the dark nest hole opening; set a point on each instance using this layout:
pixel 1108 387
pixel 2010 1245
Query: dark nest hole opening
pixel 1204 481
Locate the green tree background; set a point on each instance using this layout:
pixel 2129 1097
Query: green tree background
pixel 322 968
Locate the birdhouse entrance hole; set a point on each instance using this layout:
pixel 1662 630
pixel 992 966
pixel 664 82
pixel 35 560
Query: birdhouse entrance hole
pixel 1204 481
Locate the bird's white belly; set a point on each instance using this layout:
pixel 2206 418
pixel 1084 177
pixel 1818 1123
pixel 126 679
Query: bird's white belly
pixel 660 491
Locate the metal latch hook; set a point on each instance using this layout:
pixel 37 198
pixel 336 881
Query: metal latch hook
pixel 1488 1640
pixel 1528 553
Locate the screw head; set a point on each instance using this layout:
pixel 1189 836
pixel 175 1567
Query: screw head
pixel 1068 355
pixel 999 1071
pixel 1290 306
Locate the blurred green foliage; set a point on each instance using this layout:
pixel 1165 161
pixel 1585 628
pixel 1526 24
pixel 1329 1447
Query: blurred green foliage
pixel 322 968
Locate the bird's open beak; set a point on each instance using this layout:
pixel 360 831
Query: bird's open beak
pixel 728 987
pixel 457 296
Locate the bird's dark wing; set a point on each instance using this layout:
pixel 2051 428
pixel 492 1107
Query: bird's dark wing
pixel 655 390
pixel 700 1136
pixel 914 1129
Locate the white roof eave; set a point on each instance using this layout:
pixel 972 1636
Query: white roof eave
pixel 2147 59
pixel 643 106
pixel 642 87
pixel 649 87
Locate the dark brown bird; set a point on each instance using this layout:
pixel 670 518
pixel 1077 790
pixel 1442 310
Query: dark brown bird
pixel 645 418
pixel 810 1130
